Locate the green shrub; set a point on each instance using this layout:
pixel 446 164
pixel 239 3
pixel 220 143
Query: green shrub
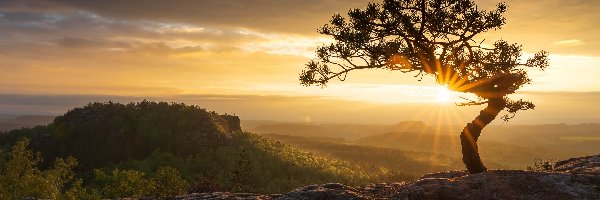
pixel 20 176
pixel 167 182
pixel 123 183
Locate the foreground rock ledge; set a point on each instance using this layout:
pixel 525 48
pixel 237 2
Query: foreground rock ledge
pixel 577 178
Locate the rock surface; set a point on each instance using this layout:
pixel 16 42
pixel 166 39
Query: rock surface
pixel 577 178
pixel 583 165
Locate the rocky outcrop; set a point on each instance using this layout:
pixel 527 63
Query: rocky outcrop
pixel 232 123
pixel 577 178
pixel 502 184
pixel 584 165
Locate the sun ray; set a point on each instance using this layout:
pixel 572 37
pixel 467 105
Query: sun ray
pixel 453 117
pixel 456 75
pixel 426 115
pixel 436 138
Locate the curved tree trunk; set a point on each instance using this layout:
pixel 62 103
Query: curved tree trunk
pixel 471 132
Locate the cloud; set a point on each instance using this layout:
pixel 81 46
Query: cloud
pixel 74 28
pixel 279 27
pixel 538 24
pixel 572 42
pixel 279 16
pixel 73 42
pixel 288 16
pixel 533 23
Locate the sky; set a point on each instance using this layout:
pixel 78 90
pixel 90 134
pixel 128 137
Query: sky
pixel 244 57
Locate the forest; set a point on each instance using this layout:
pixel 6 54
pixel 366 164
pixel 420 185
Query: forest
pixel 113 150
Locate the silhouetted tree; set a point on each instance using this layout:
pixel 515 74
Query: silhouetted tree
pixel 431 37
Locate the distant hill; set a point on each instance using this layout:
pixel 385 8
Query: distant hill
pixel 8 123
pixel 571 137
pixel 249 125
pixel 408 164
pixel 413 141
pixel 345 131
pixel 506 153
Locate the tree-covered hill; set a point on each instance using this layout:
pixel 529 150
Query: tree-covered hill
pixel 114 150
pixel 99 133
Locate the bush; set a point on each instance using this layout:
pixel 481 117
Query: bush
pixel 21 178
pixel 123 183
pixel 540 165
pixel 167 182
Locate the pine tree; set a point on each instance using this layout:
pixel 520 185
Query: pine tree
pixel 241 173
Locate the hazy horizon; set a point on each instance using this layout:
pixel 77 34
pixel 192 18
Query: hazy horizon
pixel 309 108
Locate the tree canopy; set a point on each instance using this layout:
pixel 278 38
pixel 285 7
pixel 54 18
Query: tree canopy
pixel 427 37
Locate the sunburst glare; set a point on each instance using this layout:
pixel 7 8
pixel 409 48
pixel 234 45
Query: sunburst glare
pixel 444 95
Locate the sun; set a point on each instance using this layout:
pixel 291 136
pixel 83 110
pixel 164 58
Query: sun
pixel 443 95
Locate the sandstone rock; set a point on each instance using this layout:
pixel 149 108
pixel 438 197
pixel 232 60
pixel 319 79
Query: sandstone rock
pixel 224 196
pixel 326 191
pixel 501 184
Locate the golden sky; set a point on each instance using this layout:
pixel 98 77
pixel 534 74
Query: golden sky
pixel 237 52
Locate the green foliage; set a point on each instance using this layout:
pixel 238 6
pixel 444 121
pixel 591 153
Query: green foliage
pixel 250 163
pixel 254 163
pixel 20 176
pixel 167 182
pixel 79 192
pixel 241 173
pixel 122 183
